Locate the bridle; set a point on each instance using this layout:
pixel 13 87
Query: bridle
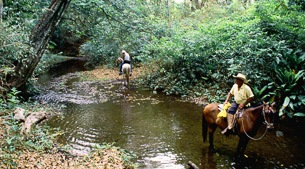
pixel 265 122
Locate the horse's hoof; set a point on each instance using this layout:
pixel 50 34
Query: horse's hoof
pixel 238 159
pixel 212 150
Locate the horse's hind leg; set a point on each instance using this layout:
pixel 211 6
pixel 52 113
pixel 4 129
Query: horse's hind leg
pixel 212 128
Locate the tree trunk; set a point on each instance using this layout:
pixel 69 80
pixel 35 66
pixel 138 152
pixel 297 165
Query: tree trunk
pixel 197 4
pixel 169 14
pixel 39 39
pixel 1 7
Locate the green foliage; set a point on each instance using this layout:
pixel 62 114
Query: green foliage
pixel 40 139
pixel 93 53
pixel 110 27
pixel 19 17
pixel 23 11
pixel 13 40
pixel 210 55
pixel 192 60
pixel 291 59
pixel 289 90
pixel 14 44
pixel 283 21
pixel 10 100
pixel 190 53
pixel 261 94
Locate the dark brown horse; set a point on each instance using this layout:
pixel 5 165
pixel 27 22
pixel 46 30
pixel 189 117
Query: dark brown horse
pixel 246 126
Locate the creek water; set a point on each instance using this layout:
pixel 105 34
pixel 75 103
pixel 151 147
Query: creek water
pixel 162 131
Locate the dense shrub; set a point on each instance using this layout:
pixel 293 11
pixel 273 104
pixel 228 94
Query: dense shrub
pixel 255 41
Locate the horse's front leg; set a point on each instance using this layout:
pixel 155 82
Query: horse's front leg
pixel 241 147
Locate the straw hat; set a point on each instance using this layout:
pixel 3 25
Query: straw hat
pixel 241 77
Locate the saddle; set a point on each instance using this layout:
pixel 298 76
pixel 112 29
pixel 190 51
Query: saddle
pixel 223 110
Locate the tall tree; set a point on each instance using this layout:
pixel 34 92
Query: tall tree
pixel 1 7
pixel 39 39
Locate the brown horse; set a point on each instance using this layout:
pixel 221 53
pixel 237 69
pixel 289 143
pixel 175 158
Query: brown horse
pixel 246 126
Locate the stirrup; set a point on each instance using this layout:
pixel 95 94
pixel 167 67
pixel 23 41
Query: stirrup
pixel 227 131
pixel 224 130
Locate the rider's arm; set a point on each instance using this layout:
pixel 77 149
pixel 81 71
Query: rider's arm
pixel 246 102
pixel 228 98
pixel 250 95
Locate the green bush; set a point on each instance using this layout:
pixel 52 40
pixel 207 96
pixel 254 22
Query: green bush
pixel 192 60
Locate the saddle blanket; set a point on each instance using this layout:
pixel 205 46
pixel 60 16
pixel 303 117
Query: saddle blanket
pixel 223 109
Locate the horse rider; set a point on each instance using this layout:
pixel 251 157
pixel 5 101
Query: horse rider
pixel 243 95
pixel 127 59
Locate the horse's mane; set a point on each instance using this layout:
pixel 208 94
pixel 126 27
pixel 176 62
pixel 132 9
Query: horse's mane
pixel 254 110
pixel 257 106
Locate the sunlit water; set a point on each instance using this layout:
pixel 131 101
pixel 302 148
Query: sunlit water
pixel 162 131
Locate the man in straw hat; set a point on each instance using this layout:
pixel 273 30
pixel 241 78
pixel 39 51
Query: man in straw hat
pixel 243 95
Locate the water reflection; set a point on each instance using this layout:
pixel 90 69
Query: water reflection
pixel 162 160
pixel 157 128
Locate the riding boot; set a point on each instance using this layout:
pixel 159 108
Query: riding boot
pixel 227 131
pixel 230 118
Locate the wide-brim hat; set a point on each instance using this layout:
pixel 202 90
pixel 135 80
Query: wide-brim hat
pixel 241 77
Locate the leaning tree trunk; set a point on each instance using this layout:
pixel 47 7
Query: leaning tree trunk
pixel 39 39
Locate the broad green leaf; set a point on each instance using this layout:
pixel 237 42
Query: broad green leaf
pixel 291 106
pixel 286 102
pixel 290 115
pixel 292 97
pixel 282 111
pixel 299 114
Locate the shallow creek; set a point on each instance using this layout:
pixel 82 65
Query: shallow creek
pixel 162 131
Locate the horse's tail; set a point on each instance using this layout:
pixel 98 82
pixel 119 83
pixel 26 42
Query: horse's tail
pixel 204 127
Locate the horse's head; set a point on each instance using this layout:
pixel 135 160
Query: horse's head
pixel 267 107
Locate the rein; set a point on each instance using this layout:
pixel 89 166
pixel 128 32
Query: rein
pixel 242 121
